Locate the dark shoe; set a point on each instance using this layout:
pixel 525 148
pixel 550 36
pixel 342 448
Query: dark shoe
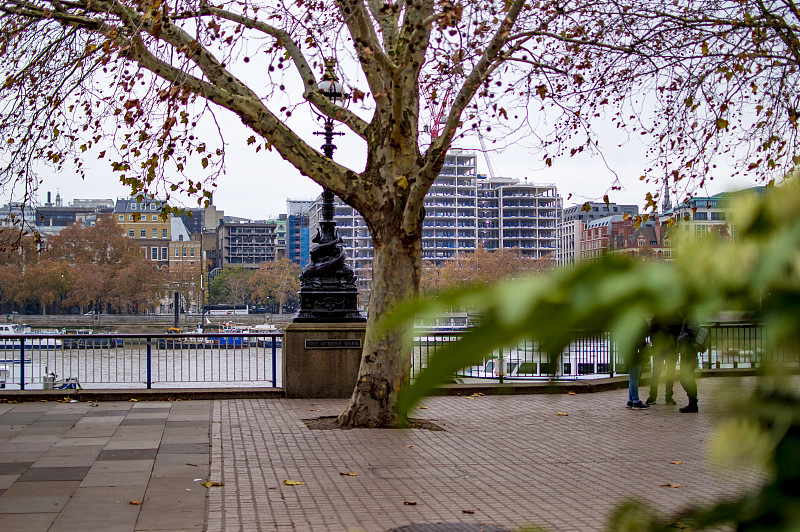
pixel 638 405
pixel 691 408
pixel 670 401
pixel 630 404
pixel 651 400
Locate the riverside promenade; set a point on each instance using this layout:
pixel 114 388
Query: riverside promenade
pixel 558 461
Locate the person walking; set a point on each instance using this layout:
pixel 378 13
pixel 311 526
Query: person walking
pixel 692 340
pixel 634 373
pixel 664 333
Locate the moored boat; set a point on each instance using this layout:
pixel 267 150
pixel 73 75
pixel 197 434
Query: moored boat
pixel 13 336
pixel 231 341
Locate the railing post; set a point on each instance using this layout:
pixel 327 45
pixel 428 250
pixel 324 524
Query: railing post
pixel 612 351
pixel 149 382
pixel 274 361
pixel 21 363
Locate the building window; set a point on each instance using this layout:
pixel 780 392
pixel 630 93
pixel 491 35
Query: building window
pixel 155 218
pixel 155 233
pixel 130 233
pixel 143 233
pixel 177 252
pixel 154 253
pixel 180 238
pixel 130 218
pixel 121 217
pixel 717 215
pixel 184 252
pixel 700 216
pixel 191 252
pixel 164 254
pixel 163 233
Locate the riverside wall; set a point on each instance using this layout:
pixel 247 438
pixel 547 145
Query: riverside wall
pixel 145 323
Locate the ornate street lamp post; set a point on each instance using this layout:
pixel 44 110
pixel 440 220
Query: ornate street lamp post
pixel 328 291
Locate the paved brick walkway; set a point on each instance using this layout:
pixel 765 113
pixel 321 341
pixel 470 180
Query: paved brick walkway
pixel 505 461
pixel 501 461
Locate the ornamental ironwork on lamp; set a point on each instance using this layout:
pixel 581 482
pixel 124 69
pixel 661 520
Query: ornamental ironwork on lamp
pixel 328 291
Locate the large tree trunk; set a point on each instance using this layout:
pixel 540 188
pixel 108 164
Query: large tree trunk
pixel 387 354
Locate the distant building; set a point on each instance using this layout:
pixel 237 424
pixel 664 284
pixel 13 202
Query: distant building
pixel 592 211
pixel 649 240
pixel 246 244
pixel 280 235
pixel 574 220
pixel 596 236
pixel 184 247
pixel 13 213
pixel 463 210
pixel 142 221
pixel 705 214
pixel 297 230
pixel 51 218
pixel 193 220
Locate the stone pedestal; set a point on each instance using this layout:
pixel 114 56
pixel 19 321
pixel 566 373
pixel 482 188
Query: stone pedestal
pixel 321 360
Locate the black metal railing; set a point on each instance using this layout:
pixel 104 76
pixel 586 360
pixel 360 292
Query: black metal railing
pixel 235 360
pixel 222 359
pixel 731 345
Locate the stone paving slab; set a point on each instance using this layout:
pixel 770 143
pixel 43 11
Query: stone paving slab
pixel 78 466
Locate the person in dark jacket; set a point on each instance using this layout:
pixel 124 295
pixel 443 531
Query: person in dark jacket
pixel 691 341
pixel 634 372
pixel 664 332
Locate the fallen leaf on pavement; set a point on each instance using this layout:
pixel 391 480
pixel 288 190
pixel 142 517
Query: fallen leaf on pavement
pixel 348 474
pixel 409 446
pixel 193 465
pixel 315 410
pixel 670 485
pixel 409 503
pixel 212 484
pixel 294 482
pixel 570 393
pixel 676 462
pixel 468 512
pixel 135 503
pixel 134 400
pixel 562 413
pixel 423 408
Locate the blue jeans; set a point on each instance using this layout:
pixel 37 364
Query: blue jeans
pixel 634 372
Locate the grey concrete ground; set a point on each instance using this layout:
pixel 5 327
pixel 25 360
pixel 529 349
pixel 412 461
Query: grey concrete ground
pixel 103 466
pixel 504 461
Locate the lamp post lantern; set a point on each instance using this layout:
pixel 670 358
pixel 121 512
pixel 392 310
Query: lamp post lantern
pixel 328 291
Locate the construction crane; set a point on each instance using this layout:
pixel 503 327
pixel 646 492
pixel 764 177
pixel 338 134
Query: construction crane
pixel 438 119
pixel 486 154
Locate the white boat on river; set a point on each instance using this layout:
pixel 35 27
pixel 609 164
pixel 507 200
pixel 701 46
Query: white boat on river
pixel 12 336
